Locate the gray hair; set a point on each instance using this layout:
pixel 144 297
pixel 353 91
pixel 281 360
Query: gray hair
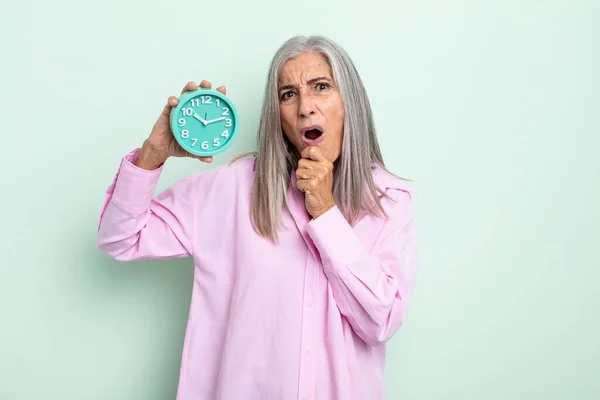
pixel 354 189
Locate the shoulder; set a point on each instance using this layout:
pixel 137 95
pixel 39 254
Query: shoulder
pixel 391 184
pixel 395 193
pixel 396 197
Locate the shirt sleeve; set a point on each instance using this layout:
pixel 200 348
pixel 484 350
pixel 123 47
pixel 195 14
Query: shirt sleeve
pixel 372 287
pixel 134 225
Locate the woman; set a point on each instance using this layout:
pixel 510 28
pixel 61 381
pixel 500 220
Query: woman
pixel 305 253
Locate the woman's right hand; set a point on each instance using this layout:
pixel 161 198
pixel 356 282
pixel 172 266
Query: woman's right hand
pixel 161 143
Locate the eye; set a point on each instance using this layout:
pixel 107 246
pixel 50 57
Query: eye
pixel 287 95
pixel 322 86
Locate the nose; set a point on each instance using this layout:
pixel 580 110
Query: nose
pixel 306 108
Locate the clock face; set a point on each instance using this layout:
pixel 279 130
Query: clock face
pixel 204 122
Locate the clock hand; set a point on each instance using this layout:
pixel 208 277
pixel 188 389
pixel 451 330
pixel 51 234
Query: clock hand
pixel 215 120
pixel 199 118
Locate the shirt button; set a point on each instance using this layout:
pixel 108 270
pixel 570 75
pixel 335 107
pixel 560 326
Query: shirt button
pixel 310 303
pixel 307 349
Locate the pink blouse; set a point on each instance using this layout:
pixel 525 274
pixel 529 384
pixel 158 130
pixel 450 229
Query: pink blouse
pixel 305 319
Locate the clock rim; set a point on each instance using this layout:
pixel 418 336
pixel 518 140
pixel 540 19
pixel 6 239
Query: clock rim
pixel 184 98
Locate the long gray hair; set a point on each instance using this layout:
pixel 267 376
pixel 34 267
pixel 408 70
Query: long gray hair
pixel 354 190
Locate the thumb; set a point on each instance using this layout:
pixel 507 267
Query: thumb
pixel 171 102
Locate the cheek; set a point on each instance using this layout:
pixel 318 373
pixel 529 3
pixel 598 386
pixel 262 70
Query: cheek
pixel 335 109
pixel 339 127
pixel 288 123
pixel 337 116
pixel 285 118
pixel 288 114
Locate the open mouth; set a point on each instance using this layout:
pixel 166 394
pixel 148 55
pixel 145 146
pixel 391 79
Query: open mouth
pixel 313 133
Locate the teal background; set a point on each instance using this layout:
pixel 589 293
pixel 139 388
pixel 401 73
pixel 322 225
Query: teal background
pixel 491 107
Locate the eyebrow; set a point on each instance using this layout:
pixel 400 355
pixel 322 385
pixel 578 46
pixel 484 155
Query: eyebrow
pixel 310 82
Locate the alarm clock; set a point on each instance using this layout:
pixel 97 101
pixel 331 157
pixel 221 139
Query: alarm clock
pixel 204 122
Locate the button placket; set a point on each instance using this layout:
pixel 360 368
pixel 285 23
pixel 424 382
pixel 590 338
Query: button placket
pixel 307 358
pixel 307 373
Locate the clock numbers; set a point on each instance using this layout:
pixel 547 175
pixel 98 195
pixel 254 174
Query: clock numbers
pixel 208 141
pixel 216 143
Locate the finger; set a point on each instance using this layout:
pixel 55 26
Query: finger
pixel 313 153
pixel 306 164
pixel 303 173
pixel 189 86
pixel 205 84
pixel 201 158
pixel 304 185
pixel 222 89
pixel 172 101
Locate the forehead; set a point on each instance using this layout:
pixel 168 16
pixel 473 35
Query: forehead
pixel 303 68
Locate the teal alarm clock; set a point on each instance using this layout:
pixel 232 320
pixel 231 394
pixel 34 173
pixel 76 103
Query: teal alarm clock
pixel 204 122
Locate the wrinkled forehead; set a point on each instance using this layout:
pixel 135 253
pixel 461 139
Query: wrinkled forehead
pixel 304 68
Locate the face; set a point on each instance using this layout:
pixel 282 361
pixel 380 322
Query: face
pixel 310 105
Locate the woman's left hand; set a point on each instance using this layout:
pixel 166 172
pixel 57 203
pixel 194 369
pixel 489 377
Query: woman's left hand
pixel 315 179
